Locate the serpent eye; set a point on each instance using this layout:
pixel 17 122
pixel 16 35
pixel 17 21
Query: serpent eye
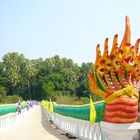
pixel 103 61
pixel 121 51
pixel 109 65
pixel 102 69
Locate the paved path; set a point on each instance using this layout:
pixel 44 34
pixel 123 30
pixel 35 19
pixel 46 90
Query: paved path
pixel 34 126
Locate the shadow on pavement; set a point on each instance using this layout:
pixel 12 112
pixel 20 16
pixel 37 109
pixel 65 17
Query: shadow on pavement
pixel 52 129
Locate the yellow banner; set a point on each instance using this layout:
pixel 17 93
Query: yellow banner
pixel 92 112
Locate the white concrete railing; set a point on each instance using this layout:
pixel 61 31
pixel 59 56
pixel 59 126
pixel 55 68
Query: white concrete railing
pixel 120 131
pixel 84 130
pixel 77 128
pixel 8 120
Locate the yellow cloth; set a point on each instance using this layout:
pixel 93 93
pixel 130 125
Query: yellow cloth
pixel 92 112
pixel 51 106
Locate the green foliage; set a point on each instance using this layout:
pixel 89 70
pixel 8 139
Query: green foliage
pixel 49 90
pixel 72 100
pixel 2 93
pixel 44 79
pixel 12 99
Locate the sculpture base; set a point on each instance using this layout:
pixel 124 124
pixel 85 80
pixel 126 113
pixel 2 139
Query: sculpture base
pixel 112 131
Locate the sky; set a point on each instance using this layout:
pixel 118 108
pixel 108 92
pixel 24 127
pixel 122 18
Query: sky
pixel 68 28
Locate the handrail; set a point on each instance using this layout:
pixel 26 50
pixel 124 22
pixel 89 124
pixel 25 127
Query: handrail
pixel 8 120
pixel 76 111
pixel 85 130
pixel 79 128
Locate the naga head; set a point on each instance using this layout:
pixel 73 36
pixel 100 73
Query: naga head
pixel 128 59
pixel 115 55
pixel 122 62
pixel 126 50
pixel 136 69
pixel 106 57
pixel 120 72
pixel 99 63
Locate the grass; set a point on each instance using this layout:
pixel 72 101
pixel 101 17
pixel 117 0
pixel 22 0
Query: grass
pixel 72 100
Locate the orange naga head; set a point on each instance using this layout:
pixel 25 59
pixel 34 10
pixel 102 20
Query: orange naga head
pixel 113 70
pixel 126 50
pixel 115 55
pixel 115 77
pixel 125 44
pixel 136 69
pixel 106 57
pixel 99 63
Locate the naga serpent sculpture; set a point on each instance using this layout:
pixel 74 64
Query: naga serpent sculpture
pixel 115 77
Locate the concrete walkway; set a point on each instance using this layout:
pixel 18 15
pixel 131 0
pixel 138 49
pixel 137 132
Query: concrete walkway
pixel 34 126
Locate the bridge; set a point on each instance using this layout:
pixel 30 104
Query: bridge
pixel 37 123
pixel 33 126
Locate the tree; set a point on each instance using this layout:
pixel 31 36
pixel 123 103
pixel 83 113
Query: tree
pixel 83 88
pixel 2 93
pixel 28 73
pixel 49 90
pixel 19 71
pixel 12 63
pixel 38 78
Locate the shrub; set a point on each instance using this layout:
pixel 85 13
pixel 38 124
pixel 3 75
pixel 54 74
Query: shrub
pixel 12 99
pixel 72 100
pixel 2 93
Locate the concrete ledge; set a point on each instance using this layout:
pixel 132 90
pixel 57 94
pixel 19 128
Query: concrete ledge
pixel 113 131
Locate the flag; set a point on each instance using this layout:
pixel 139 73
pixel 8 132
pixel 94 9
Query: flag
pixel 46 104
pixel 51 106
pixel 92 112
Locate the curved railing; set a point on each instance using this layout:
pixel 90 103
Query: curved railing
pixel 81 112
pixel 9 114
pixel 12 108
pixel 75 120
